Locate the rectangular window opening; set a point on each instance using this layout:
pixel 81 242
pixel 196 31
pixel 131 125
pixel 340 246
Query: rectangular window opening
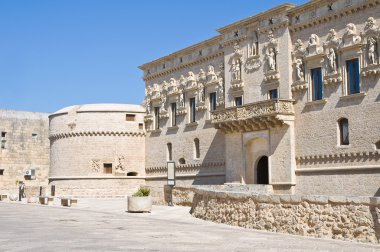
pixel 1 172
pixel 141 126
pixel 273 94
pixel 130 117
pixel 192 110
pixel 316 78
pixel 156 117
pixel 173 113
pixel 353 76
pixel 34 136
pixel 3 134
pixel 239 101
pixel 107 168
pixel 212 102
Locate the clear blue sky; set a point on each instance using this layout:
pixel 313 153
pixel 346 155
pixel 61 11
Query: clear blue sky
pixel 57 53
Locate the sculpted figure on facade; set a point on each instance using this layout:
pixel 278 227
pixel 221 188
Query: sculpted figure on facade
pixel 313 40
pixel 202 75
pixel 372 51
pixel 163 103
pixel 182 81
pixel 211 76
pixel 299 70
pixel 236 69
pixel 350 35
pixel 220 91
pixel 271 57
pixel 371 27
pixel 332 60
pixel 120 167
pixel 237 50
pixel 313 47
pixel 191 76
pixel 298 47
pixel 181 102
pixel 164 86
pixel 201 92
pixel 252 49
pixel 148 105
pixel 332 39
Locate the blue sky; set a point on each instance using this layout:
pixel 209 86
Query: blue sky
pixel 57 53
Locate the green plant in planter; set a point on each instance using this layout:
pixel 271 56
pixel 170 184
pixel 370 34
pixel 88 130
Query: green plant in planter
pixel 142 192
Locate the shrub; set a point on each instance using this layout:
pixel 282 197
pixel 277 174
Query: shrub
pixel 143 191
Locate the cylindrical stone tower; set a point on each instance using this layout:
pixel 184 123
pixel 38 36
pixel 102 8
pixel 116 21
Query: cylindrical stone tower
pixel 97 150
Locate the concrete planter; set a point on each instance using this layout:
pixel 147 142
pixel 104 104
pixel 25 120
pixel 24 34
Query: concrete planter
pixel 139 204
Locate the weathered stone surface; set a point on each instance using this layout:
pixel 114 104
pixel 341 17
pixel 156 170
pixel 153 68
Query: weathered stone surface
pixel 317 216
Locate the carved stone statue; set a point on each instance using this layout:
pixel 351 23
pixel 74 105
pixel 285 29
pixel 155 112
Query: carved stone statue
pixel 332 60
pixel 202 75
pixel 182 81
pixel 201 93
pixel 172 82
pixel 372 53
pixel 211 76
pixel 165 86
pixel 371 27
pixel 350 29
pixel 221 90
pixel 163 103
pixel 147 105
pixel 332 38
pixel 181 100
pixel 236 70
pixel 299 70
pixel 191 76
pixel 237 48
pixel 271 55
pixel 313 40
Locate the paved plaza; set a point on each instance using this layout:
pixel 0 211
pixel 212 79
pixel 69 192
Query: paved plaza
pixel 104 225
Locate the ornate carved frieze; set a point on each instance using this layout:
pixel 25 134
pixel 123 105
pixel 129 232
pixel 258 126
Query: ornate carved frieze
pixel 172 88
pixel 195 168
pixel 333 78
pixel 371 70
pixel 350 36
pixel 254 116
pixel 212 78
pixel 148 118
pixel 314 48
pixel 191 81
pixel 272 76
pixel 54 137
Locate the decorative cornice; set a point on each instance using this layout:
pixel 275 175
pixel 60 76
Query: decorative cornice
pixel 185 168
pixel 95 133
pixel 334 15
pixel 338 156
pixel 183 66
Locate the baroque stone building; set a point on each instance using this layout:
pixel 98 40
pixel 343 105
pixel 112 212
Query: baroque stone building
pixel 289 98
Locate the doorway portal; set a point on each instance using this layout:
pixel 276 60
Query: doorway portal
pixel 262 171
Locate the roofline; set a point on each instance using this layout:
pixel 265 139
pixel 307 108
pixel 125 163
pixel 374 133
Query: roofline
pixel 309 5
pixel 182 52
pixel 285 7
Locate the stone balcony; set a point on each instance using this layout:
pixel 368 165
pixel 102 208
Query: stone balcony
pixel 254 116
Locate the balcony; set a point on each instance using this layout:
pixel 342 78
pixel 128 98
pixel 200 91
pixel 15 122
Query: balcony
pixel 254 116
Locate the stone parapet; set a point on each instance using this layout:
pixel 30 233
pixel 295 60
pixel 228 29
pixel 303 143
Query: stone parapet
pixel 336 217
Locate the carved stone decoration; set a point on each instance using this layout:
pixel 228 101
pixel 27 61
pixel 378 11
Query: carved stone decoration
pixel 164 87
pixel 202 76
pixel 271 74
pixel 372 51
pixel 120 168
pixel 148 105
pixel 370 28
pixel 163 104
pixel 299 50
pixel 333 78
pixel 271 57
pixel 252 64
pixel 182 82
pixel 253 47
pixel 237 51
pixel 95 165
pixel 332 40
pixel 172 88
pixel 220 92
pixel 181 100
pixel 236 70
pixel 191 81
pixel 201 92
pixel 299 70
pixel 300 82
pixel 272 42
pixel 211 76
pixel 314 47
pixel 332 61
pixel 350 36
pixel 155 92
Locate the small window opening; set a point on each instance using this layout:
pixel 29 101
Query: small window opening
pixel 377 145
pixel 132 173
pixel 141 126
pixel 3 142
pixel 200 53
pixel 169 154
pixel 163 66
pixel 239 101
pixel 130 117
pixel 34 136
pixel 182 161
pixel 196 148
pixel 343 131
pixel 107 168
pixel 3 134
pixel 1 172
pixel 180 60
pixel 273 94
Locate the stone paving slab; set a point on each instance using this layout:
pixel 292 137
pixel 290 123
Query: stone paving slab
pixel 104 225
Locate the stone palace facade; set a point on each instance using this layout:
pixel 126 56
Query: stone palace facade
pixel 289 98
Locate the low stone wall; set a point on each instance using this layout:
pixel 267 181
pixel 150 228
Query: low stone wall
pixel 336 217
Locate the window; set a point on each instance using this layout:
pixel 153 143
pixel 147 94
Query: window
pixel 130 117
pixel 156 117
pixel 3 140
pixel 132 173
pixel 3 144
pixel 141 126
pixel 181 161
pixel 343 132
pixel 192 110
pixel 212 102
pixel 197 153
pixel 353 81
pixel 239 101
pixel 107 168
pixel 173 113
pixel 273 94
pixel 169 154
pixel 377 145
pixel 316 80
pixel 1 172
pixel 34 136
pixel 3 134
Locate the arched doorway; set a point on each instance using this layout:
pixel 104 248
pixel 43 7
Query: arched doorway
pixel 262 171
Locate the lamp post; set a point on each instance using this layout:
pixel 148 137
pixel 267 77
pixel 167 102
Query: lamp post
pixel 171 179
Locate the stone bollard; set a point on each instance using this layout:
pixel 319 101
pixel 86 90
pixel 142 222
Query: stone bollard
pixel 13 197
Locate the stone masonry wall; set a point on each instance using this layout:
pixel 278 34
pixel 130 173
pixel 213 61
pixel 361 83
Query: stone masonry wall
pixel 336 217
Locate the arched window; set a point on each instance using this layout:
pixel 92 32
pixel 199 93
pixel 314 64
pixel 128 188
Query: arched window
pixel 343 131
pixel 169 153
pixel 197 153
pixel 377 145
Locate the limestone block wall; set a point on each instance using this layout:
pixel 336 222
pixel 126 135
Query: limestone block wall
pixel 97 150
pixel 336 217
pixel 24 145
